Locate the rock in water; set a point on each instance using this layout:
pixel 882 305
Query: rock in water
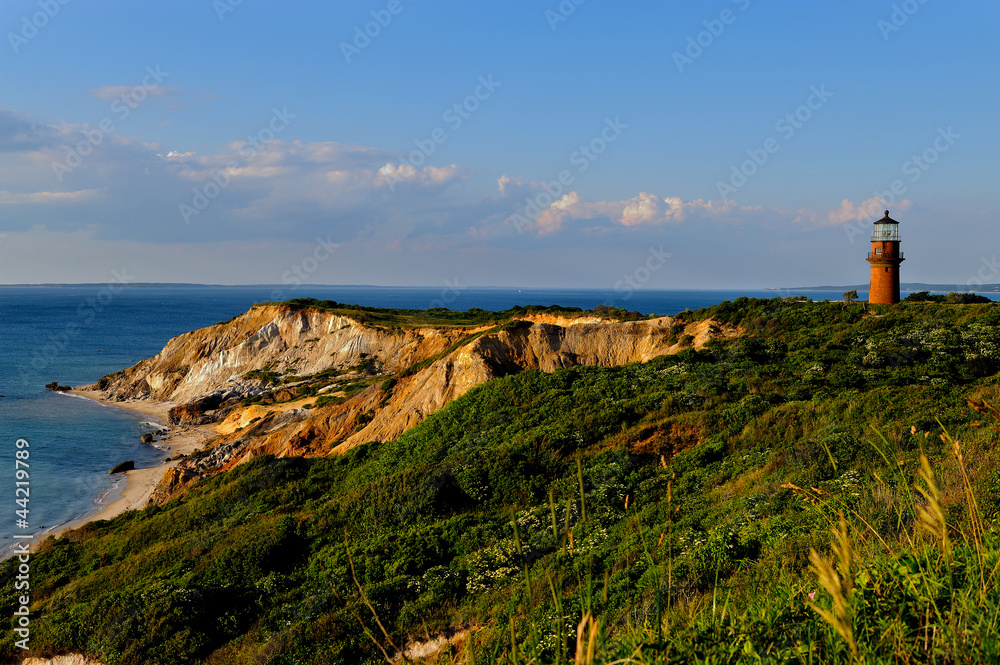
pixel 123 467
pixel 147 437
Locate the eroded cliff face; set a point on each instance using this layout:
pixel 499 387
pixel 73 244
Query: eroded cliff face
pixel 214 362
pixel 541 346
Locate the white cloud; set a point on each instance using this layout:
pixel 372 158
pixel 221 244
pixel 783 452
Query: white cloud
pixel 111 92
pixel 505 181
pixel 366 198
pixel 644 209
pixel 532 201
pixel 30 198
pixel 391 175
pixel 870 209
pixel 279 188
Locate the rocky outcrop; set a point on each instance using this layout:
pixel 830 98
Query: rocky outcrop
pixel 174 482
pixel 187 414
pixel 123 467
pixel 454 637
pixel 207 372
pixel 73 659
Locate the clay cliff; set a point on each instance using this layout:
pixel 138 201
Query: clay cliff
pixel 289 380
pixel 215 360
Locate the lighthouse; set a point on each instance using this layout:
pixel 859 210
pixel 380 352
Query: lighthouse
pixel 885 258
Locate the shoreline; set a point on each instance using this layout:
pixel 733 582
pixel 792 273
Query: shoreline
pixel 138 486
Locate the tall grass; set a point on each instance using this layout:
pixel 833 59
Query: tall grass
pixel 927 593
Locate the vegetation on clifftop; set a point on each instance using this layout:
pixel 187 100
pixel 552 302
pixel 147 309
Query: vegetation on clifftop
pixel 664 512
pixel 443 317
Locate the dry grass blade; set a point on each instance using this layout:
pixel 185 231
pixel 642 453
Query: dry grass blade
pixel 972 505
pixel 931 517
pixel 812 495
pixel 985 408
pixel 838 582
pixel 586 640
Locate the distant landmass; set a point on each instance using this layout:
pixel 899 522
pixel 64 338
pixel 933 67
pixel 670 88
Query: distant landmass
pixel 905 286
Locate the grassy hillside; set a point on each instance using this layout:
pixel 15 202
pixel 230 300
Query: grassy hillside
pixel 664 512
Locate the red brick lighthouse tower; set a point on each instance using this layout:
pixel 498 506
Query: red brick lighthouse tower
pixel 885 258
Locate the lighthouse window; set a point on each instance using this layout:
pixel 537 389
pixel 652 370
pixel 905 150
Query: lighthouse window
pixel 878 250
pixel 887 270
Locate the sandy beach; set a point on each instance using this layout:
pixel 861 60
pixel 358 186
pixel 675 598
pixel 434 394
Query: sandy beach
pixel 140 483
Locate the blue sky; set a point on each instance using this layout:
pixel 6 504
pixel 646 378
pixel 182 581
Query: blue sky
pixel 265 142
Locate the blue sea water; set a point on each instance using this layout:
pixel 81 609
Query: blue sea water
pixel 75 335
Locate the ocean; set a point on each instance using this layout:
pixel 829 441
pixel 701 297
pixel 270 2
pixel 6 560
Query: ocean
pixel 76 335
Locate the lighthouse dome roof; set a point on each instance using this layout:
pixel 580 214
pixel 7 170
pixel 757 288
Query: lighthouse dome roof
pixel 886 219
